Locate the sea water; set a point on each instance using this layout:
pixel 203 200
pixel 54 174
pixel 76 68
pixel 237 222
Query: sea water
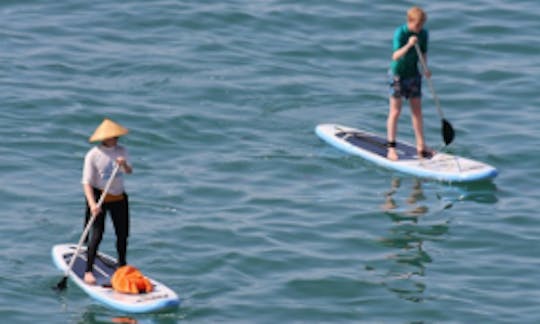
pixel 235 203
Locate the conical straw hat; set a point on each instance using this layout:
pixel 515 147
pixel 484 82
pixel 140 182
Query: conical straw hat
pixel 108 129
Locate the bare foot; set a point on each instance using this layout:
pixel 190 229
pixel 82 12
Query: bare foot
pixel 89 278
pixel 425 152
pixel 392 154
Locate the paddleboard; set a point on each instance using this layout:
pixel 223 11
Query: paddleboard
pixel 438 166
pixel 161 298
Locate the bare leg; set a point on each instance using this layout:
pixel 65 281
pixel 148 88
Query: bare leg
pixel 418 125
pixel 391 126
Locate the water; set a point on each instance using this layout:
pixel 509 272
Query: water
pixel 236 204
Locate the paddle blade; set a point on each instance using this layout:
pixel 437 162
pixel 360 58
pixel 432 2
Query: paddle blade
pixel 62 284
pixel 447 132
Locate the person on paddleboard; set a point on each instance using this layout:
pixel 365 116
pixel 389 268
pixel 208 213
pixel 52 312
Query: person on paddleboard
pixel 406 80
pixel 99 163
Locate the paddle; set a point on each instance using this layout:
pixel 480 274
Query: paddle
pixel 447 129
pixel 62 284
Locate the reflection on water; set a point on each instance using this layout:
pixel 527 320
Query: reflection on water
pixel 414 207
pixel 405 267
pixel 98 315
pixel 415 202
pixel 412 202
pixel 484 192
pixel 124 320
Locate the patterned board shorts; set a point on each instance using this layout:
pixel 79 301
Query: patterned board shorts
pixel 408 87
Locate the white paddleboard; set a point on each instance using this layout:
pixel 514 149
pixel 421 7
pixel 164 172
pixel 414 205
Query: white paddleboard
pixel 438 166
pixel 161 298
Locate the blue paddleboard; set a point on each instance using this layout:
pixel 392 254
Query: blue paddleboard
pixel 438 166
pixel 159 299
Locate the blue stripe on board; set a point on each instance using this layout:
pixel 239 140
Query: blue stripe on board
pixel 377 145
pixel 103 270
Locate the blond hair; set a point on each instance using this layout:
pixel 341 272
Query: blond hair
pixel 416 14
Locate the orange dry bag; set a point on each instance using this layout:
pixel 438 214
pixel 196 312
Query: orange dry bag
pixel 128 279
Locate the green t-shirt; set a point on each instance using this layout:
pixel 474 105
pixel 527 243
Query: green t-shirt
pixel 407 65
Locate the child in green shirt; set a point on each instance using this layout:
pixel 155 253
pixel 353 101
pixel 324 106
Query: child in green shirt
pixel 406 80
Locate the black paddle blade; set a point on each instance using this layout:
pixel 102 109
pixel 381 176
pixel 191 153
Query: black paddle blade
pixel 62 284
pixel 447 132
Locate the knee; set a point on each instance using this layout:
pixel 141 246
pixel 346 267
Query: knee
pixel 394 113
pixel 95 239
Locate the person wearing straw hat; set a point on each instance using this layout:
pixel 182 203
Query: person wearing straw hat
pixel 99 163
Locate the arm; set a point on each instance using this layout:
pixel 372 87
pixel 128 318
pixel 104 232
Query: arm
pixel 399 53
pixel 91 199
pixel 427 72
pixel 87 176
pixel 423 61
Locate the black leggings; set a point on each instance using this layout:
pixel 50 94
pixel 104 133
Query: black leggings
pixel 119 211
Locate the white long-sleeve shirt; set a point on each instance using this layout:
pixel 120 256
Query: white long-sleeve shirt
pixel 99 164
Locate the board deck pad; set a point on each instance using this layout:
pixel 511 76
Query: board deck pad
pixel 433 165
pixel 377 145
pixel 159 299
pixel 103 269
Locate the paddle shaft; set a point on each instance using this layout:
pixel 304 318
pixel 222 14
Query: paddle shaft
pixel 430 84
pixel 92 219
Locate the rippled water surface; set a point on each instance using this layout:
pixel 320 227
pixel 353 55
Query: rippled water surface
pixel 236 204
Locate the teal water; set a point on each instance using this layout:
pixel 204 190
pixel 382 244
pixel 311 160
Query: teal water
pixel 236 204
